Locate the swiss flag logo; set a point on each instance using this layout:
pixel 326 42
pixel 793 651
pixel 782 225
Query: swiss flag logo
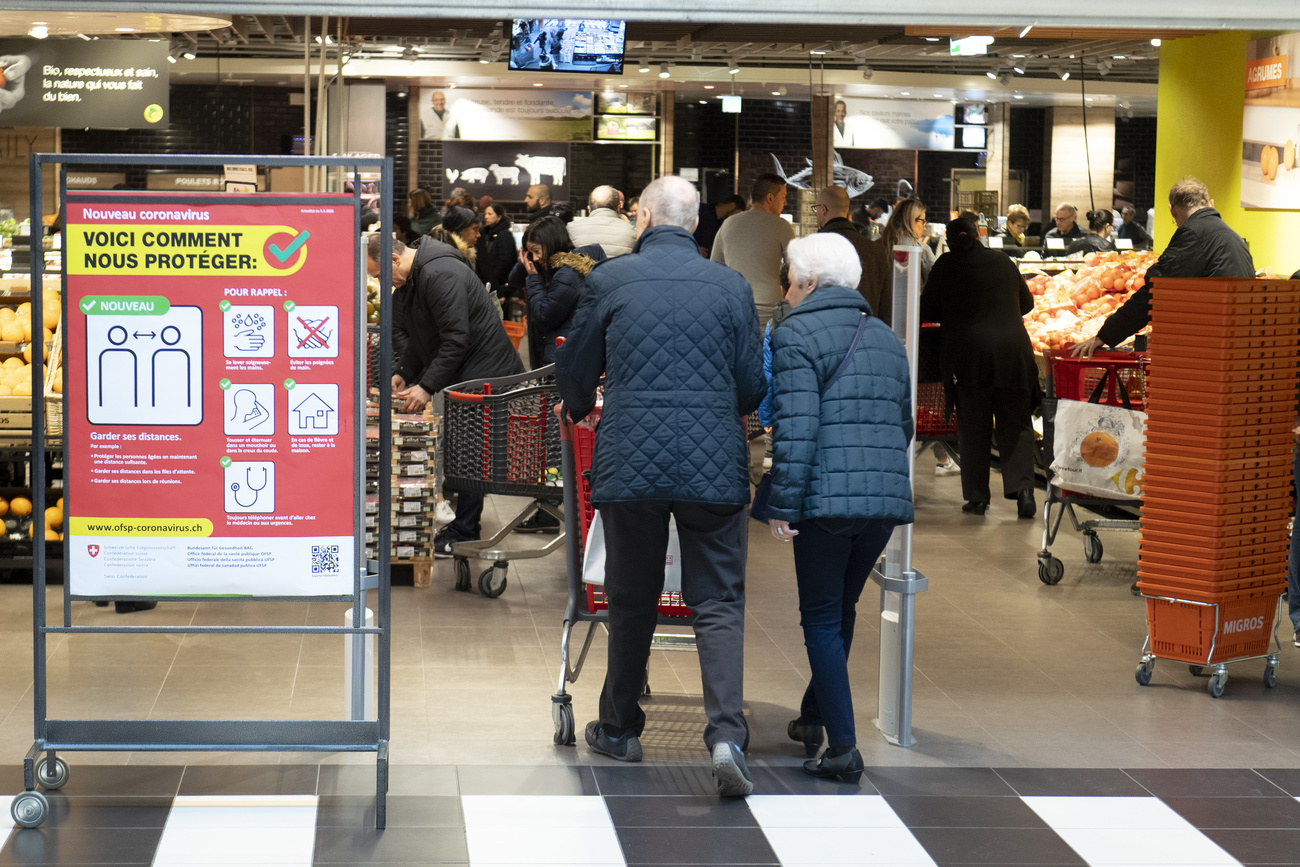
pixel 92 550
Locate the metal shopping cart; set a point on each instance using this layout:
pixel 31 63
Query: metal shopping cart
pixel 586 602
pixel 1117 374
pixel 500 436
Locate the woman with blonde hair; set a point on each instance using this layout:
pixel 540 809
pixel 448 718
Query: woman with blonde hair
pixel 907 226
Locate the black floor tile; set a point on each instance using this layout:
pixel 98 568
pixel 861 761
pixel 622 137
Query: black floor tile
pixel 696 845
pixel 932 811
pixel 1287 778
pixel 76 846
pixel 523 780
pixel 402 780
pixel 649 780
pixel 1203 783
pixel 398 845
pixel 938 781
pixel 403 811
pixel 950 846
pixel 1259 847
pixel 1071 782
pixel 791 780
pixel 707 811
pixel 133 781
pixel 1237 813
pixel 77 812
pixel 250 780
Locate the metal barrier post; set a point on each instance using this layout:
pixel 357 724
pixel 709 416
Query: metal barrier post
pixel 899 582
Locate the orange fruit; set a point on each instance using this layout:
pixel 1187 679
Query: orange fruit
pixel 1099 449
pixel 21 506
pixel 54 517
pixel 1288 155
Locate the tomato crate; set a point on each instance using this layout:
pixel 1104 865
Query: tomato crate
pixel 1187 632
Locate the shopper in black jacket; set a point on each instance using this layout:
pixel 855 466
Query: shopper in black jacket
pixel 1098 238
pixel 497 250
pixel 979 297
pixel 452 334
pixel 1203 246
pixel 832 213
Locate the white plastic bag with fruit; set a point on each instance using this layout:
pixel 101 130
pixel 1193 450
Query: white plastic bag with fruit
pixel 1098 449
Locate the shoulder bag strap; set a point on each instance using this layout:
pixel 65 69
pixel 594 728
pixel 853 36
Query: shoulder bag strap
pixel 848 356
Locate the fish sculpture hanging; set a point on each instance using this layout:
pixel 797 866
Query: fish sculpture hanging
pixel 854 181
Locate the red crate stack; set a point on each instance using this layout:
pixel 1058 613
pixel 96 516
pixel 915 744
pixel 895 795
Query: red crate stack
pixel 1220 400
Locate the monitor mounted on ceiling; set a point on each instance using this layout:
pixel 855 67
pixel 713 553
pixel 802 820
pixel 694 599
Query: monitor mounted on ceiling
pixel 583 45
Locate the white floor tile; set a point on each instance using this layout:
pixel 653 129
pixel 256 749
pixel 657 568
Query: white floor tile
pixel 826 846
pixel 818 811
pixel 1134 832
pixel 238 830
pixel 6 822
pixel 554 845
pixel 1140 813
pixel 532 811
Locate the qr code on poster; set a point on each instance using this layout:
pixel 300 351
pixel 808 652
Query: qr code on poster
pixel 324 559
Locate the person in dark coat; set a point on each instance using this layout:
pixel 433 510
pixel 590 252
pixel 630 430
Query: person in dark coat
pixel 1067 228
pixel 876 284
pixel 677 339
pixel 986 362
pixel 1203 246
pixel 1098 239
pixel 556 273
pixel 497 250
pixel 1131 230
pixel 452 333
pixel 424 216
pixel 840 473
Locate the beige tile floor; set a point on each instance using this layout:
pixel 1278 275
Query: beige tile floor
pixel 1009 672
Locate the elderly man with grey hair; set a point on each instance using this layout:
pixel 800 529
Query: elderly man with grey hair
pixel 676 338
pixel 603 225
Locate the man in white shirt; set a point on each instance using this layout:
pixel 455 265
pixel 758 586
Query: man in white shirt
pixel 753 242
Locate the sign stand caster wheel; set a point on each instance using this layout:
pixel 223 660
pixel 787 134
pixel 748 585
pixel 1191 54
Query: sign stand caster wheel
pixel 29 809
pixel 52 775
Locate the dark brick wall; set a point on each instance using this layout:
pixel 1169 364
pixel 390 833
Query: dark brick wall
pixel 397 143
pixel 1135 162
pixel 934 181
pixel 886 167
pixel 705 138
pixel 1025 152
pixel 626 167
pixel 773 127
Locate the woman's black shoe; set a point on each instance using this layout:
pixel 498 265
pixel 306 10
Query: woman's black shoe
pixel 847 768
pixel 975 507
pixel 808 735
pixel 127 606
pixel 1025 505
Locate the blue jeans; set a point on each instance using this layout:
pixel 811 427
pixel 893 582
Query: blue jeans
pixel 833 558
pixel 1293 566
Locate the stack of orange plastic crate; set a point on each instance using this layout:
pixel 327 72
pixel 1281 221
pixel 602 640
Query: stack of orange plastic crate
pixel 1220 400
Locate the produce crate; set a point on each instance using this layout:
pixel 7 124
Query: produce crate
pixel 53 399
pixel 15 416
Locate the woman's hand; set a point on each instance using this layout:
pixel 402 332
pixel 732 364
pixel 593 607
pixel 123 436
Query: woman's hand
pixel 781 530
pixel 527 262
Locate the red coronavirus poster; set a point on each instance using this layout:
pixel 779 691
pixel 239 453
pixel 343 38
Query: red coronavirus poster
pixel 211 395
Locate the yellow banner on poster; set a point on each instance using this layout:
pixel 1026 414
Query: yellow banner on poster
pixel 135 250
pixel 139 527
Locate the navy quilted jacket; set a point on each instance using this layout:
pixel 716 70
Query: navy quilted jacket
pixel 677 339
pixel 842 453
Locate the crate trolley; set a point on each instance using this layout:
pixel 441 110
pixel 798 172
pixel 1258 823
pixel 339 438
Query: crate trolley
pixel 586 603
pixel 501 437
pixel 352 577
pixel 1116 378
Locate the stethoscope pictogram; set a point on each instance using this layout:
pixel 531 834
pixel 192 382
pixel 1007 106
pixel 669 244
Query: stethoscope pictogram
pixel 248 486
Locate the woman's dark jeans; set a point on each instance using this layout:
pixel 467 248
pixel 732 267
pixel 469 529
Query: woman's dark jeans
pixel 833 558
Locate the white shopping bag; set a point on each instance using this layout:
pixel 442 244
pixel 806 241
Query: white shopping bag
pixel 1098 449
pixel 593 560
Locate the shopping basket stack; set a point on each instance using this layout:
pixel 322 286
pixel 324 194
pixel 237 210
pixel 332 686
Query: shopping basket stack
pixel 1221 395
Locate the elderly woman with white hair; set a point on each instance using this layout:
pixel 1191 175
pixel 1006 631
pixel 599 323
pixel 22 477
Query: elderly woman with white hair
pixel 840 484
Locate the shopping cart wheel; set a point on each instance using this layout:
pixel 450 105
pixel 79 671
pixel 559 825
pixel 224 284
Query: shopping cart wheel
pixel 52 775
pixel 1217 683
pixel 462 575
pixel 485 585
pixel 1091 547
pixel 1143 673
pixel 1270 675
pixel 1196 670
pixel 1050 569
pixel 564 732
pixel 29 809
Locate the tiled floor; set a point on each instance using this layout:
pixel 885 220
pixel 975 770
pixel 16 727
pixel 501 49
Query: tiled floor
pixel 1011 675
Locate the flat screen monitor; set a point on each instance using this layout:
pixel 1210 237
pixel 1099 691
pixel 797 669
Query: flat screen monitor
pixel 584 45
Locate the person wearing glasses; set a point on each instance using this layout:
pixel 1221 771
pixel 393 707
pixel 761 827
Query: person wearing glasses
pixel 907 226
pixel 1067 226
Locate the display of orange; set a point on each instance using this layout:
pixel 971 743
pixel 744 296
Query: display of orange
pixel 54 517
pixel 1099 449
pixel 20 506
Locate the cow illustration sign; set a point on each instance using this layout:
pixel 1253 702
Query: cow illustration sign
pixel 211 395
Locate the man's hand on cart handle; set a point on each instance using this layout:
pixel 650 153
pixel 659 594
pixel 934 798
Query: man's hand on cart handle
pixel 560 413
pixel 415 397
pixel 1087 347
pixel 781 530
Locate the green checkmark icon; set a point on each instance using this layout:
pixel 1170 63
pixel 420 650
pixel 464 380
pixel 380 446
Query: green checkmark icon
pixel 87 306
pixel 283 254
pixel 289 384
pixel 224 305
pixel 288 306
pixel 225 384
pixel 225 462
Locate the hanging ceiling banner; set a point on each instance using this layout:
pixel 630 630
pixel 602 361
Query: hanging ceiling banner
pixel 505 115
pixel 106 83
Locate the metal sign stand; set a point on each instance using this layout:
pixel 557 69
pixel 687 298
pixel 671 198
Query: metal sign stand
pixel 29 808
pixel 899 581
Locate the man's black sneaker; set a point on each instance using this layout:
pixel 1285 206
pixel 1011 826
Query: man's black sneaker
pixel 443 541
pixel 626 748
pixel 729 771
pixel 540 522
